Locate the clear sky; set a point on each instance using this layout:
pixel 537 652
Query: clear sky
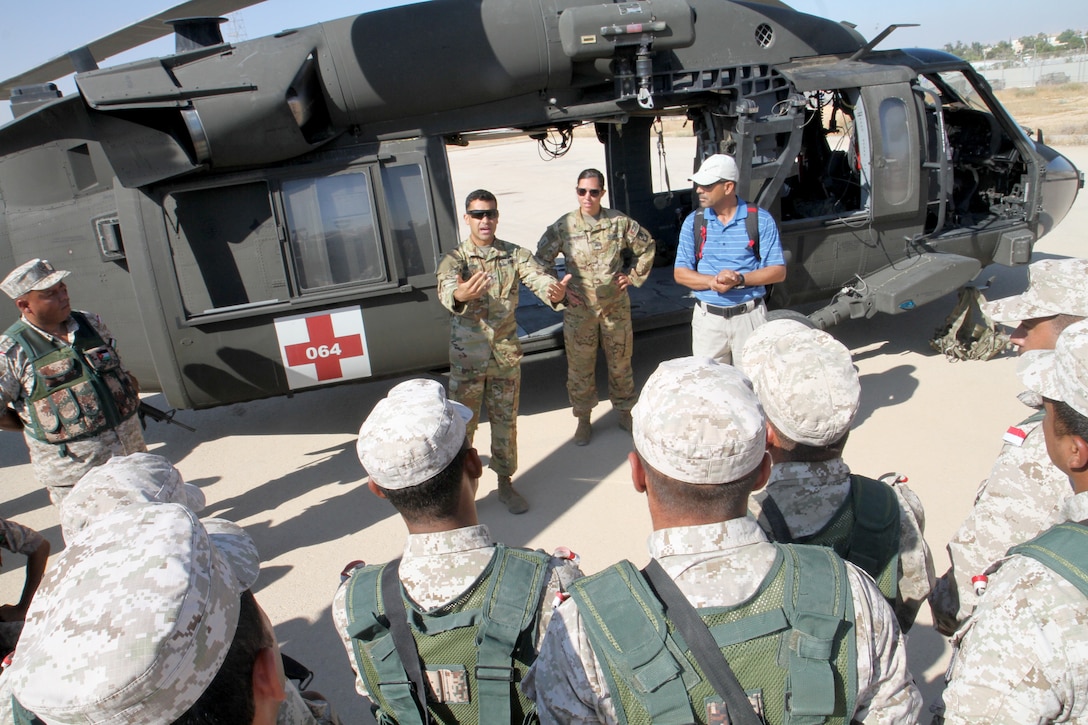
pixel 33 32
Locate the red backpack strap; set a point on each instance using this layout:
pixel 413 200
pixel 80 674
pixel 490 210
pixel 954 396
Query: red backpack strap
pixel 698 231
pixel 752 227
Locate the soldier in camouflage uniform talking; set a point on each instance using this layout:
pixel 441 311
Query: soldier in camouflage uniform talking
pixel 594 241
pixel 478 283
pixel 64 382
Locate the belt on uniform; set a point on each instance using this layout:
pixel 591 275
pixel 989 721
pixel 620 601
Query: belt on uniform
pixel 733 311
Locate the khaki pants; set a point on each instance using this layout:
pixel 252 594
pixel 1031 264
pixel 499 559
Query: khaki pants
pixel 723 338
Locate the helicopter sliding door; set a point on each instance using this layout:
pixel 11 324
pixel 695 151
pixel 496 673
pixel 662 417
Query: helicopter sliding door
pixel 307 276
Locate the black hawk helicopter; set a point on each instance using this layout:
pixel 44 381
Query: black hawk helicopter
pixel 260 217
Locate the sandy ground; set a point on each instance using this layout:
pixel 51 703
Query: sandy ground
pixel 286 468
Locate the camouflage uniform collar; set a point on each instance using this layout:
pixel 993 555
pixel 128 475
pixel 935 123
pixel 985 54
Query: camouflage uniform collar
pixel 1076 508
pixel 70 326
pixel 703 539
pixel 833 470
pixel 448 542
pixel 588 222
pixel 497 246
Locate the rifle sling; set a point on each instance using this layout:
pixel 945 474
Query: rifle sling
pixel 402 635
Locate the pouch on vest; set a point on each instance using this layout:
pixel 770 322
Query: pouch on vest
pixel 474 650
pixel 791 645
pixel 80 389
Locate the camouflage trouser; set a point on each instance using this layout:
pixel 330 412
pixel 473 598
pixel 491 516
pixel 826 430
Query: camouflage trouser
pixel 583 332
pixel 58 469
pixel 500 389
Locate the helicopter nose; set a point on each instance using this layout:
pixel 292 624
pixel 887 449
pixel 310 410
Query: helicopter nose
pixel 1061 182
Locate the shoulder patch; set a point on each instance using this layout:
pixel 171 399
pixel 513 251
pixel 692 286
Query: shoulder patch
pixel 1015 435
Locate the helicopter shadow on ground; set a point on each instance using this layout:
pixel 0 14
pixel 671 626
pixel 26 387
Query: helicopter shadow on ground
pixel 331 410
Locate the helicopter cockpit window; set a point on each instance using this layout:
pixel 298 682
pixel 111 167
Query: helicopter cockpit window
pixel 332 231
pixel 987 169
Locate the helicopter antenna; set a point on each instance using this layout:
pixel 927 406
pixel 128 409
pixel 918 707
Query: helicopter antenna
pixel 868 47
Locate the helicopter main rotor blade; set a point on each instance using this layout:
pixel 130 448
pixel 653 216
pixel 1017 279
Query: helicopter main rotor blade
pixel 133 36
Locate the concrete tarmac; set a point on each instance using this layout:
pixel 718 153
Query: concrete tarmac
pixel 286 468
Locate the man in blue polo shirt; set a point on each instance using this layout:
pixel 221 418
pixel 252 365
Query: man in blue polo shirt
pixel 726 265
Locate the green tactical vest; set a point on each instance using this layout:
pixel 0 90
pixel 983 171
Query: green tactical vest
pixel 80 389
pixel 475 650
pixel 864 531
pixel 1063 549
pixel 791 645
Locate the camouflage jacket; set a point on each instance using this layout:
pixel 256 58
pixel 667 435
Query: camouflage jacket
pixel 594 253
pixel 437 568
pixel 486 328
pixel 810 494
pixel 1022 657
pixel 721 564
pixel 1022 497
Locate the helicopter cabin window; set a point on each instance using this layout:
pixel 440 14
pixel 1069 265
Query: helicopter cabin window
pixel 831 177
pixel 225 247
pixel 332 231
pixel 406 195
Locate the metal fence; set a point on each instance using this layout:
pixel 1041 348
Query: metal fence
pixel 1072 69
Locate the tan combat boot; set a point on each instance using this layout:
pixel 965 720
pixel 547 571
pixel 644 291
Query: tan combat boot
pixel 515 503
pixel 584 431
pixel 625 420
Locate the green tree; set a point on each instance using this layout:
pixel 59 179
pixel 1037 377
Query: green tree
pixel 1069 37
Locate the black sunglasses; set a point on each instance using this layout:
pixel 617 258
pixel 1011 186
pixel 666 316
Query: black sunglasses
pixel 483 213
pixel 592 192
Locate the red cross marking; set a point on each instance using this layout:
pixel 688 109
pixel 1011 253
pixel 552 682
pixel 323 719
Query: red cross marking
pixel 324 349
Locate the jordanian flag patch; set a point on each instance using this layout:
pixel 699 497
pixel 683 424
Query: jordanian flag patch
pixel 1015 436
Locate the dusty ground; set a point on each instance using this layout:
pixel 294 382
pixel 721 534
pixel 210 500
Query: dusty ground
pixel 1060 111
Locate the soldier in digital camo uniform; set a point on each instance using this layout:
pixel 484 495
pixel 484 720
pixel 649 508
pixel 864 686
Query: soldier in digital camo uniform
pixel 809 389
pixel 1024 492
pixel 63 380
pixel 20 539
pixel 451 576
pixel 593 241
pixel 147 616
pixel 478 283
pixel 1022 656
pixel 700 436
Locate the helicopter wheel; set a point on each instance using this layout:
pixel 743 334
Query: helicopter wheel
pixel 785 314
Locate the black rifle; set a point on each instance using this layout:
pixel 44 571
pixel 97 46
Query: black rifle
pixel 149 411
